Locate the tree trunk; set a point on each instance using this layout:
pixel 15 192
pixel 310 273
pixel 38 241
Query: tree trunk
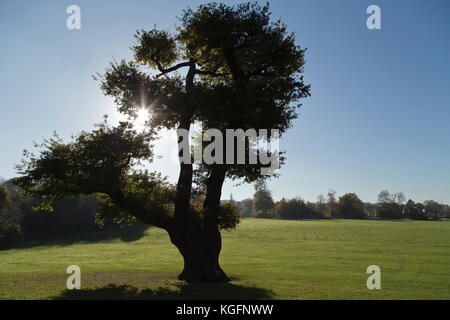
pixel 203 263
pixel 200 252
pixel 199 240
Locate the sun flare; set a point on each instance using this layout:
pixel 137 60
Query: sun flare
pixel 142 116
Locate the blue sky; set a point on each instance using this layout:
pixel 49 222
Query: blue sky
pixel 377 118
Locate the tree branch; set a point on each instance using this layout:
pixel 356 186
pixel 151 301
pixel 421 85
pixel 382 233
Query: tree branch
pixel 145 215
pixel 165 71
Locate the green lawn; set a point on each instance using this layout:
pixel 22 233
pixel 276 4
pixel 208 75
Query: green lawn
pixel 267 259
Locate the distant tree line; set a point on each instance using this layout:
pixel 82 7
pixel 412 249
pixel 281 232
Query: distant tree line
pixel 19 222
pixel 348 206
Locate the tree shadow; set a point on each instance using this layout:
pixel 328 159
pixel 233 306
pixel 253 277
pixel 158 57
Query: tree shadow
pixel 133 233
pixel 125 234
pixel 220 291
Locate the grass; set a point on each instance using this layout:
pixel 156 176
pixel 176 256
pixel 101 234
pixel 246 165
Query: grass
pixel 267 259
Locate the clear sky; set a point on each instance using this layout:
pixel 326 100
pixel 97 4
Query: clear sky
pixel 378 117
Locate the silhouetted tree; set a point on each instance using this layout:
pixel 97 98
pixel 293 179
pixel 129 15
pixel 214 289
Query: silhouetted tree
pixel 243 71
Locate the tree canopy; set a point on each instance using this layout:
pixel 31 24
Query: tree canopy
pixel 350 206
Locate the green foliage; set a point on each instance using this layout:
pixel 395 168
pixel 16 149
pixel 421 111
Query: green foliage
pixel 263 204
pixel 228 216
pixel 390 205
pixel 244 72
pixel 350 207
pixel 157 48
pixel 133 89
pixel 144 194
pixel 241 43
pixel 293 209
pixel 433 209
pixel 331 205
pixel 99 162
pixel 390 210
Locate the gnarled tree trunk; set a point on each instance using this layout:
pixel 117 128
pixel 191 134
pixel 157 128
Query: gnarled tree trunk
pixel 200 241
pixel 200 250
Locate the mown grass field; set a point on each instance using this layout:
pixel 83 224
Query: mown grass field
pixel 267 259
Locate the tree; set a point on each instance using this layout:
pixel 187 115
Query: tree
pixel 350 207
pixel 71 216
pixel 446 210
pixel 243 71
pixel 384 197
pixel 263 204
pixel 414 210
pixel 293 209
pixel 331 205
pixel 390 210
pixel 246 207
pixel 390 206
pixel 280 208
pixel 433 209
pixel 399 197
pixel 10 219
pixel 321 205
pixel 312 212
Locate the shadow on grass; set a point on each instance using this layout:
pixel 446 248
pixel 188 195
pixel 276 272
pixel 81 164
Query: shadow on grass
pixel 126 234
pixel 183 291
